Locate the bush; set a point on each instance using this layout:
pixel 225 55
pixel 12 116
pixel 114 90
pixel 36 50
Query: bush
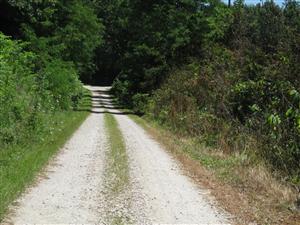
pixel 27 94
pixel 140 102
pixel 121 92
pixel 225 111
pixel 18 90
pixel 61 82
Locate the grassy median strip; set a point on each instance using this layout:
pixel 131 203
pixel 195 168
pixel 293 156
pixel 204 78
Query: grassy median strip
pixel 117 157
pixel 116 174
pixel 19 164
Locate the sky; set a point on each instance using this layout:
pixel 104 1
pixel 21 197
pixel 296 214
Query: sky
pixel 279 2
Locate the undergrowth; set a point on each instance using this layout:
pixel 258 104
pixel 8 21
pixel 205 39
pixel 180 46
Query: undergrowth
pixel 20 163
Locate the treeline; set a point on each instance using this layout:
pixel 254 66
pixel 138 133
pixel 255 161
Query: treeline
pixel 228 75
pixel 45 47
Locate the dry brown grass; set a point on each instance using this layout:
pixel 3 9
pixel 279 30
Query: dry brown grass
pixel 253 195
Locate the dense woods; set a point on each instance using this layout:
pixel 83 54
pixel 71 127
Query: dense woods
pixel 51 45
pixel 228 75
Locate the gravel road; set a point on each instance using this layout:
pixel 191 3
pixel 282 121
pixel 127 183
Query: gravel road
pixel 70 190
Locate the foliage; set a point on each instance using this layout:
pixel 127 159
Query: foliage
pixel 61 82
pixel 211 71
pixel 27 94
pixel 139 102
pixel 144 49
pixel 246 81
pixel 39 74
pixel 81 36
pixel 17 90
pixel 68 30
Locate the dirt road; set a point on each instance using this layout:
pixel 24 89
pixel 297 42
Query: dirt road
pixel 71 188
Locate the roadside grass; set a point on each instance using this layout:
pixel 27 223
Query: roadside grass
pixel 20 164
pixel 117 172
pixel 241 183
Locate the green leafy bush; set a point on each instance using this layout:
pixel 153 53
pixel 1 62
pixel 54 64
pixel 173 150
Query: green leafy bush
pixel 18 90
pixel 61 82
pixel 27 94
pixel 140 102
pixel 121 91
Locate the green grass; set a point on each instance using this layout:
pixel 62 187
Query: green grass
pixel 117 171
pixel 20 164
pixel 116 156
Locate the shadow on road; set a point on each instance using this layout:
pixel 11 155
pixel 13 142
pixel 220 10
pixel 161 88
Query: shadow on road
pixel 102 102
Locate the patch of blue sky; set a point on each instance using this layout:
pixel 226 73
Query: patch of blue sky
pixel 254 2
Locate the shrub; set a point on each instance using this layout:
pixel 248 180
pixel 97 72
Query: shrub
pixel 121 91
pixel 139 102
pixel 27 93
pixel 18 99
pixel 61 82
pixel 226 111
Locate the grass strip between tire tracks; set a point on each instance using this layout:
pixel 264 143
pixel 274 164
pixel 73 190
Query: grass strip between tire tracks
pixel 117 171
